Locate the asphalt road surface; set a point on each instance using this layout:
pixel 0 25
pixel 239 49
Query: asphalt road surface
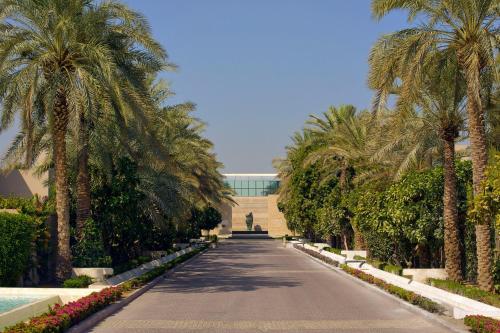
pixel 259 286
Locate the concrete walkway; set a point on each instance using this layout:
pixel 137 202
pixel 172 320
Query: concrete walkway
pixel 259 286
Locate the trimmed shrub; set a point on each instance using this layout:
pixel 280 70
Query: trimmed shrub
pixel 468 291
pixel 482 324
pixel 17 243
pixel 394 269
pixel 317 255
pixel 82 281
pixel 333 250
pixel 409 296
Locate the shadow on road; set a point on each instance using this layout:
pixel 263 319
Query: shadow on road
pixel 226 269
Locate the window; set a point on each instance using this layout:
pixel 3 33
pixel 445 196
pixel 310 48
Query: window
pixel 253 184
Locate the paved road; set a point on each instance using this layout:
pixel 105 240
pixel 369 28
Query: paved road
pixel 258 286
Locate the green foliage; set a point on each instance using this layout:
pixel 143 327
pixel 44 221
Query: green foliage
pixel 486 205
pixel 207 218
pixel 211 218
pixel 38 212
pixel 467 291
pixel 17 237
pixel 117 208
pixel 81 281
pixel 89 250
pixel 407 216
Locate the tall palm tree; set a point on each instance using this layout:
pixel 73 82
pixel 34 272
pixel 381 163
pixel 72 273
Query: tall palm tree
pixel 466 30
pixel 427 128
pixel 49 61
pixel 136 57
pixel 341 137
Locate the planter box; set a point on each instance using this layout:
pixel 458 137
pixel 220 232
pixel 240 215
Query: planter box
pixel 422 274
pixel 99 274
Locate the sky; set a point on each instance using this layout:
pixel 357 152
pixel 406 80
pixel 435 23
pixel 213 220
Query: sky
pixel 256 69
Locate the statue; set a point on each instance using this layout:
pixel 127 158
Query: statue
pixel 249 221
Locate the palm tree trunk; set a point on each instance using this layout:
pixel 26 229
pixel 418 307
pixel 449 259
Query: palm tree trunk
pixel 451 233
pixel 63 261
pixel 359 241
pixel 83 178
pixel 479 157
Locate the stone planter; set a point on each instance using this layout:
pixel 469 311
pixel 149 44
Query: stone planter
pixel 422 274
pixel 98 274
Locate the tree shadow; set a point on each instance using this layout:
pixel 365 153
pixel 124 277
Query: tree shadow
pixel 225 270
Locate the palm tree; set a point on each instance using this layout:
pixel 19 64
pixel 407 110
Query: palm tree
pixel 341 139
pixel 48 61
pixel 463 29
pixel 128 96
pixel 426 129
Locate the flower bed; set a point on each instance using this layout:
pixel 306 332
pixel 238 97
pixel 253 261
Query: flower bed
pixel 61 317
pixel 481 324
pixel 317 255
pixel 409 296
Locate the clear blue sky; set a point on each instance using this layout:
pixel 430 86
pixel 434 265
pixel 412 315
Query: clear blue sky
pixel 257 68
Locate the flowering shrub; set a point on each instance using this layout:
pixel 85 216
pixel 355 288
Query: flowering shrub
pixel 404 294
pixel 61 317
pixel 481 324
pixel 317 255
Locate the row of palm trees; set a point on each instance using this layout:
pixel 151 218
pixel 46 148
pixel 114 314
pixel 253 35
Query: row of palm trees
pixel 80 75
pixel 443 76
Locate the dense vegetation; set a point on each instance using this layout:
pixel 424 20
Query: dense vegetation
pixel 389 180
pixel 128 169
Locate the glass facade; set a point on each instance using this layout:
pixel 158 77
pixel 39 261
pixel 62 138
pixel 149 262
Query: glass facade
pixel 252 185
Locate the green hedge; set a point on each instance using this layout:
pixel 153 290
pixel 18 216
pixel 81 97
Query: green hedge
pixel 82 281
pixel 17 236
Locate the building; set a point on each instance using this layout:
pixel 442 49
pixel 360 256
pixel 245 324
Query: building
pixel 23 183
pixel 256 194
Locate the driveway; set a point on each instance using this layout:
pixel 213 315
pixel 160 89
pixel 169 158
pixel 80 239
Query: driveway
pixel 259 286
